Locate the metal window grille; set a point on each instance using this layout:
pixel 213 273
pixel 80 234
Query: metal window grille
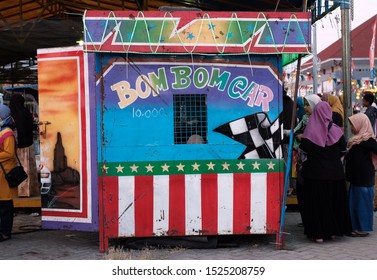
pixel 190 118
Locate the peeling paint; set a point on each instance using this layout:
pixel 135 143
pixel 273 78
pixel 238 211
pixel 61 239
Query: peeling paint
pixel 162 216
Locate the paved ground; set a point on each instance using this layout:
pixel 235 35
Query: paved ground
pixel 29 242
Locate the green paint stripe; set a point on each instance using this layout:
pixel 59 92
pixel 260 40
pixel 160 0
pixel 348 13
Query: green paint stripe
pixel 143 168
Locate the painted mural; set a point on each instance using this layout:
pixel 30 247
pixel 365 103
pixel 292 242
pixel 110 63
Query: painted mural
pixel 147 102
pixel 62 135
pixel 196 32
pixel 58 92
pixel 176 132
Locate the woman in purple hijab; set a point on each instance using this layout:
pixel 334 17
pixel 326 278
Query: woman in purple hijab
pixel 326 203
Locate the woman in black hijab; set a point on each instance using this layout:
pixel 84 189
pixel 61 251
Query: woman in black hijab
pixel 23 120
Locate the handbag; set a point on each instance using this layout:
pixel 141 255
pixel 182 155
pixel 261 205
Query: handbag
pixel 16 175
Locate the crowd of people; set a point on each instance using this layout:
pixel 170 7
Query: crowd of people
pixel 334 177
pixel 16 139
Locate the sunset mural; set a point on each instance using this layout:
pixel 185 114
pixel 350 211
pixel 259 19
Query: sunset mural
pixel 61 95
pixel 58 93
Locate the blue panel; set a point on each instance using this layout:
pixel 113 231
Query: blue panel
pixel 135 102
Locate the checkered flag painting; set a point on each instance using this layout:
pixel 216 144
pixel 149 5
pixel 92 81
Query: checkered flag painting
pixel 261 137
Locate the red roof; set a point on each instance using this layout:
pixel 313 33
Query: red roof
pixel 361 38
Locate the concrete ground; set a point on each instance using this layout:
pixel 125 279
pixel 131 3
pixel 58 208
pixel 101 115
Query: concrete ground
pixel 30 242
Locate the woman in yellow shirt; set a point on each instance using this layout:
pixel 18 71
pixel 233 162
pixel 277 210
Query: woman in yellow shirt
pixel 8 160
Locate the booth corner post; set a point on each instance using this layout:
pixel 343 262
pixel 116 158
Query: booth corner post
pixel 281 240
pixel 280 244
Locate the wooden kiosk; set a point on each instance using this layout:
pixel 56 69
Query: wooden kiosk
pixel 168 123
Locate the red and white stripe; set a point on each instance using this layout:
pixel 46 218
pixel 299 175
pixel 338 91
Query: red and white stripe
pixel 184 205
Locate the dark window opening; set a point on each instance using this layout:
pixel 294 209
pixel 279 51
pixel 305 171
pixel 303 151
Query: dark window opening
pixel 190 118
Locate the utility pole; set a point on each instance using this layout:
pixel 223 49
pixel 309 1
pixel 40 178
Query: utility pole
pixel 345 6
pixel 315 60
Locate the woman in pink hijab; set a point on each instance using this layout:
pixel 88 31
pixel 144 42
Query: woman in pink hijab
pixel 326 203
pixel 360 169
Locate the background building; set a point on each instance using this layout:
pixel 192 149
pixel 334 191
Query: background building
pixel 330 76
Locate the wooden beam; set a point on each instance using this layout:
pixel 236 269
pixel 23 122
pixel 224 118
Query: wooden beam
pixel 93 5
pixel 145 5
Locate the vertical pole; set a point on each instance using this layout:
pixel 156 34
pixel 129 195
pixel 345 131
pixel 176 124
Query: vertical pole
pixel 11 77
pixel 315 60
pixel 280 239
pixel 145 5
pixel 103 239
pixel 287 174
pixel 346 64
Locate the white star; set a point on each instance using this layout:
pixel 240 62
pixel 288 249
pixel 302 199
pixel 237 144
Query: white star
pixel 240 165
pixel 211 166
pixel 134 167
pixel 180 167
pixel 149 168
pixel 119 168
pixel 165 168
pixel 271 165
pixel 105 168
pixel 225 166
pixel 256 165
pixel 195 166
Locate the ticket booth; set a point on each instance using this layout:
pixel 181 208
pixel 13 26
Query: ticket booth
pixel 169 123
